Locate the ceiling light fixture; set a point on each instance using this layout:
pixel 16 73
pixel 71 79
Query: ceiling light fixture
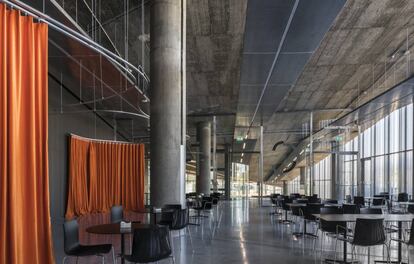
pixel 244 145
pixel 242 154
pixel 241 160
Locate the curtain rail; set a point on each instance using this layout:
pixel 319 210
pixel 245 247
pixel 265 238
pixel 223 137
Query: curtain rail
pixel 103 140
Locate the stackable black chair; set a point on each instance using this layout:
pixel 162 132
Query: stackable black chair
pixel 330 201
pixel 178 220
pixel 308 214
pixel 409 242
pixel 370 211
pixel 350 209
pixel 296 212
pixel 359 200
pixel 117 214
pixel 330 228
pixel 368 233
pixel 402 197
pixel 378 201
pixel 166 215
pixel 385 195
pixel 73 248
pixel 286 208
pixel 314 199
pixel 151 244
pixel 410 209
pixel 205 206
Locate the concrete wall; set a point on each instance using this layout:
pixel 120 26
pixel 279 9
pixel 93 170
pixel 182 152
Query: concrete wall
pixel 60 125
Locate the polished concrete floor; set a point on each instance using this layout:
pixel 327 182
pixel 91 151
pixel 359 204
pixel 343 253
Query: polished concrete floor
pixel 241 232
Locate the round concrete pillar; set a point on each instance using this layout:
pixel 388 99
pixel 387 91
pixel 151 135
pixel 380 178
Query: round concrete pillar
pixel 204 160
pixel 167 103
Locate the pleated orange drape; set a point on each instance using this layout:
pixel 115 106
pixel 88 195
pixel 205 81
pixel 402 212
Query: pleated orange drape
pixel 25 229
pixel 103 174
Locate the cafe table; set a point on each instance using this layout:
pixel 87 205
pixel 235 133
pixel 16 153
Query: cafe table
pixel 349 218
pixel 115 229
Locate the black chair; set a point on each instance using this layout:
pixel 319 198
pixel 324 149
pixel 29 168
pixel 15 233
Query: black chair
pixel 330 228
pixel 370 211
pixel 402 197
pixel 117 214
pixel 359 200
pixel 350 209
pixel 296 212
pixel 409 242
pixel 151 244
pixel 179 221
pixel 385 195
pixel 300 201
pixel 286 208
pixel 314 199
pixel 330 201
pixel 410 208
pixel 73 248
pixel 205 205
pixel 378 201
pixel 167 213
pixel 367 233
pixel 308 215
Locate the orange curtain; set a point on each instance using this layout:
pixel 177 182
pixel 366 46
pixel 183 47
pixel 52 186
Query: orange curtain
pixel 25 229
pixel 102 174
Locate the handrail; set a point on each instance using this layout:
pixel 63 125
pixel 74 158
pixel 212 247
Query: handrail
pixel 41 17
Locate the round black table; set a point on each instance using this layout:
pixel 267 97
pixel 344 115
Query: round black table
pixel 115 229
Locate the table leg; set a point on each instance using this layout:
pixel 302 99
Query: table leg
pixel 122 249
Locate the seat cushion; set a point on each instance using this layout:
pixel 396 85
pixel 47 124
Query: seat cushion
pixel 90 250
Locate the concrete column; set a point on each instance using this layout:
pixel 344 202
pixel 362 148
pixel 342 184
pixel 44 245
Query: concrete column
pixel 227 172
pixel 302 178
pixel 167 95
pixel 204 164
pixel 285 188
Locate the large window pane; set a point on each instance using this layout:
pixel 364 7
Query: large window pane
pixel 379 137
pixel 409 126
pixel 379 175
pixel 394 173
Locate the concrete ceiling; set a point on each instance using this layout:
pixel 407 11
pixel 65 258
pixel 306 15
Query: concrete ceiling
pixel 352 64
pixel 270 62
pixel 215 30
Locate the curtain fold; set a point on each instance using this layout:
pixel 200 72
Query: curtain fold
pixel 25 228
pixel 102 174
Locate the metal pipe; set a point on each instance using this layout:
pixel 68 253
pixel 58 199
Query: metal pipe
pixel 261 166
pixel 214 154
pixel 109 87
pixel 269 75
pixel 78 37
pixel 311 153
